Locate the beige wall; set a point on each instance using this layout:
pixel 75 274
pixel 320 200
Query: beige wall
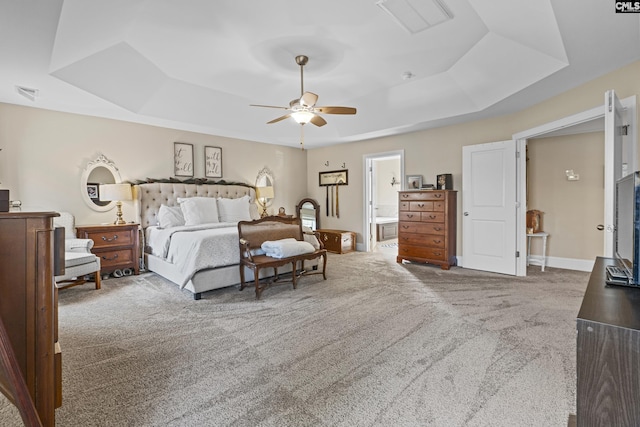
pixel 436 151
pixel 386 193
pixel 44 154
pixel 572 209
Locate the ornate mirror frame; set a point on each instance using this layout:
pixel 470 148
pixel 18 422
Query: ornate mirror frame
pixel 316 206
pixel 98 171
pixel 265 179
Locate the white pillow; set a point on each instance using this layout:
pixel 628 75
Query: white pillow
pixel 234 210
pixel 170 216
pixel 199 210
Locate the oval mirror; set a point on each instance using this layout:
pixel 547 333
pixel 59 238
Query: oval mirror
pixel 99 171
pixel 308 210
pixel 264 190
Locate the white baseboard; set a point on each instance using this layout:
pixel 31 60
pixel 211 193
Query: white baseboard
pixel 566 263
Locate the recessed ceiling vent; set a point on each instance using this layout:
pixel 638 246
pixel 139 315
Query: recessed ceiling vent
pixel 30 94
pixel 416 16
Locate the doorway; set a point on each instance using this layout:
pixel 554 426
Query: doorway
pixel 383 178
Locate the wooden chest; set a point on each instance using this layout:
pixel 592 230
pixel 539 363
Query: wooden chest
pixel 117 245
pixel 427 227
pixel 338 241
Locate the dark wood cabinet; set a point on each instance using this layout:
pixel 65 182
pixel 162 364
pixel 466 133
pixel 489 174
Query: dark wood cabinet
pixel 28 305
pixel 117 245
pixel 608 353
pixel 338 241
pixel 427 227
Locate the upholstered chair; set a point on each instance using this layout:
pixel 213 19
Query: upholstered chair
pixel 79 262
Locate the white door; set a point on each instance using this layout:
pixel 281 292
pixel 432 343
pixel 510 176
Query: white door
pixel 489 207
pixel 612 164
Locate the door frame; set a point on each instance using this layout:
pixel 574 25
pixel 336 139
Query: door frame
pixel 520 138
pixel 367 161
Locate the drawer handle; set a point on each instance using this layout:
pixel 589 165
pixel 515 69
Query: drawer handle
pixel 438 195
pixel 437 253
pixel 421 205
pixel 405 226
pixel 432 217
pixel 106 239
pixel 410 215
pixel 405 195
pixel 437 228
pixel 110 259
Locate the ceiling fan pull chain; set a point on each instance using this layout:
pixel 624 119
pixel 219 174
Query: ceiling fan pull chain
pixel 302 137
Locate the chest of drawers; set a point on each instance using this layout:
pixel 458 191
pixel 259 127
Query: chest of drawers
pixel 427 227
pixel 117 245
pixel 338 241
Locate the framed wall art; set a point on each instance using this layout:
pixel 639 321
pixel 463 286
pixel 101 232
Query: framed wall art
pixel 182 159
pixel 213 162
pixel 339 177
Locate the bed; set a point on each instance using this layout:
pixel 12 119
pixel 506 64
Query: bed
pixel 208 255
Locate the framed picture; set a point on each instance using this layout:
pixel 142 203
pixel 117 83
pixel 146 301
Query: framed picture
pixel 93 190
pixel 182 159
pixel 414 182
pixel 340 177
pixel 213 162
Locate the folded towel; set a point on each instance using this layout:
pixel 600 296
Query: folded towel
pixel 286 248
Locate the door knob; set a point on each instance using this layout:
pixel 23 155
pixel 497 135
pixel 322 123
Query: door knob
pixel 466 214
pixel 600 227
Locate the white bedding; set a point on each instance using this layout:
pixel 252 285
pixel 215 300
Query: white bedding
pixel 196 247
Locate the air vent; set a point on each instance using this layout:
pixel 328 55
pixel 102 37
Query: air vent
pixel 416 16
pixel 27 92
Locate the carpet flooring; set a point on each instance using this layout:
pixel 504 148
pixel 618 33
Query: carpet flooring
pixel 377 344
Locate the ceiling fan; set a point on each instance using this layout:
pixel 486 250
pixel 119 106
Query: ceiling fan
pixel 304 110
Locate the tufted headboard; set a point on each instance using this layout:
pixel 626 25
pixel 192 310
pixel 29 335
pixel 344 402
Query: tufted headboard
pixel 151 195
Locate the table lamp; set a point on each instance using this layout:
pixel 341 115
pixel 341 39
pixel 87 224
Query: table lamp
pixel 263 196
pixel 117 193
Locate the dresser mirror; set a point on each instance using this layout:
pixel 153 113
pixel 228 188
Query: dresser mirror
pixel 98 171
pixel 308 210
pixel 264 190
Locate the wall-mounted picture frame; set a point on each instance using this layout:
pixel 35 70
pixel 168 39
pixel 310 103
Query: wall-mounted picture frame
pixel 413 182
pixel 338 177
pixel 212 162
pixel 182 159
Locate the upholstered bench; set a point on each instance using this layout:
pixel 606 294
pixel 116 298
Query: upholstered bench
pixel 274 230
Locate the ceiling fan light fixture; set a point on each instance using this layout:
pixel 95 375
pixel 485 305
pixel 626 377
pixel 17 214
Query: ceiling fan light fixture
pixel 302 117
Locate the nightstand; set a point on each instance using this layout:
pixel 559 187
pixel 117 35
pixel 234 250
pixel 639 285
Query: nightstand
pixel 118 246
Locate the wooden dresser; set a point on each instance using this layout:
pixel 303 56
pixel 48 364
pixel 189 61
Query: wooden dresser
pixel 338 241
pixel 28 304
pixel 118 246
pixel 427 227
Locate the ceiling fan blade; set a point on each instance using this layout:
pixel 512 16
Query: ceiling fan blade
pixel 308 99
pixel 286 116
pixel 318 121
pixel 335 110
pixel 267 106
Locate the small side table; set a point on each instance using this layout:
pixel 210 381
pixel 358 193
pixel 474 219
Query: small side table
pixel 543 235
pixel 338 241
pixel 117 246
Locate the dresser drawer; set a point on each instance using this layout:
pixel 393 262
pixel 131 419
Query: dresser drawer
pixel 430 240
pixel 432 217
pixel 421 206
pixel 422 195
pixel 421 228
pixel 405 206
pixel 423 252
pixel 409 216
pixel 107 238
pixel 115 258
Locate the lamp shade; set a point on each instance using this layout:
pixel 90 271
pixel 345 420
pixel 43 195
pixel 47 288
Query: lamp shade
pixel 265 192
pixel 117 192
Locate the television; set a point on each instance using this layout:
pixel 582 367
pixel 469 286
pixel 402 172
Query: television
pixel 627 232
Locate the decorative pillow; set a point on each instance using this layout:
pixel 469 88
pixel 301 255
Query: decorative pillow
pixel 234 210
pixel 170 216
pixel 199 210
